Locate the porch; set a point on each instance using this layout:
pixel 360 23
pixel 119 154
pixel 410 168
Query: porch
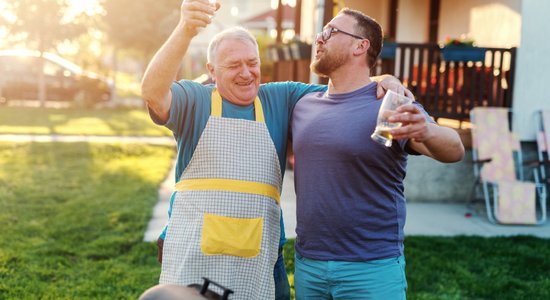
pixel 447 84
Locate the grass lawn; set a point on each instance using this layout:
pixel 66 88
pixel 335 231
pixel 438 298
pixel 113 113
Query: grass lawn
pixel 124 122
pixel 72 218
pixel 472 267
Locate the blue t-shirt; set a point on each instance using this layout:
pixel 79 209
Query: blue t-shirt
pixel 350 193
pixel 191 108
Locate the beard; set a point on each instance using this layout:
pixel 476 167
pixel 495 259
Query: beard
pixel 328 63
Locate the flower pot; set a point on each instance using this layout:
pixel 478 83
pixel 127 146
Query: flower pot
pixel 388 51
pixel 300 50
pixel 462 53
pixel 274 54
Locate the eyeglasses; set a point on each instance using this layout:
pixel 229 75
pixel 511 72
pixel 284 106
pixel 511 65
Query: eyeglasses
pixel 327 33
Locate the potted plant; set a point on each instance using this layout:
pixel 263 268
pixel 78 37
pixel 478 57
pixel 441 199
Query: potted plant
pixel 300 50
pixel 462 49
pixel 279 52
pixel 388 49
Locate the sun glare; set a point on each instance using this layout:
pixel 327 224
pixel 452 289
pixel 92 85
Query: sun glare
pixel 87 6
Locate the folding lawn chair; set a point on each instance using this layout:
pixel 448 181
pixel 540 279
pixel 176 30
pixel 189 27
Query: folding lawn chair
pixel 507 199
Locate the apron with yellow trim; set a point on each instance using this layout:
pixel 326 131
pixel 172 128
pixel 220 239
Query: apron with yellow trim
pixel 225 217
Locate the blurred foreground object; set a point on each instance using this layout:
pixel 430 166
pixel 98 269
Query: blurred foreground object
pixel 178 292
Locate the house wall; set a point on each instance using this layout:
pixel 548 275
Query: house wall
pixel 223 19
pixel 412 21
pixel 376 9
pixel 308 20
pixel 532 68
pixel 491 23
pixel 428 180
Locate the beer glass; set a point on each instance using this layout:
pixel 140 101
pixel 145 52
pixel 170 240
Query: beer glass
pixel 388 108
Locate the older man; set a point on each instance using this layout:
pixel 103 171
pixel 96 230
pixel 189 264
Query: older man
pixel 350 194
pixel 225 220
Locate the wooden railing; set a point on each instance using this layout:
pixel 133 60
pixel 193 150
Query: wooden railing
pixel 451 88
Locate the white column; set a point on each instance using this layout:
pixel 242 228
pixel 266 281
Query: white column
pixel 319 12
pixel 531 92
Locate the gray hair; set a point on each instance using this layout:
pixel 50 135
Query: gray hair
pixel 233 33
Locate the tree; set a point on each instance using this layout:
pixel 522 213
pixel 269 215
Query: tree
pixel 142 25
pixel 138 26
pixel 42 25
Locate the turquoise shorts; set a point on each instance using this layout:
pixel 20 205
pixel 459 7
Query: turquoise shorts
pixel 375 279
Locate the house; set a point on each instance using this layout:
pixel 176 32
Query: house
pixel 510 73
pixel 498 24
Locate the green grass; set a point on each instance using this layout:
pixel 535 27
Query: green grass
pixel 472 267
pixel 73 217
pixel 478 268
pixel 124 122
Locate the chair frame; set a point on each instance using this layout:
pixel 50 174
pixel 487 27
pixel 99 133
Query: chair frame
pixel 490 189
pixel 543 146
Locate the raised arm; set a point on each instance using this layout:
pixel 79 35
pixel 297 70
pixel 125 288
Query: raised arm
pixel 440 143
pixel 163 68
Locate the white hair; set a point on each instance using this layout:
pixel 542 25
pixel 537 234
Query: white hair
pixel 233 33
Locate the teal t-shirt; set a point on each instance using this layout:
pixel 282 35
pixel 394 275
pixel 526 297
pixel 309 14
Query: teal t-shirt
pixel 191 107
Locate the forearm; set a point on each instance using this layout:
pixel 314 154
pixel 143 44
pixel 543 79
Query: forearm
pixel 443 144
pixel 162 70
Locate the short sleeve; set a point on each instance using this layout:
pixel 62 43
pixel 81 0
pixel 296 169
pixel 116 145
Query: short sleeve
pixel 297 90
pixel 185 95
pixel 292 91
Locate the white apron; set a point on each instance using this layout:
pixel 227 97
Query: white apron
pixel 225 217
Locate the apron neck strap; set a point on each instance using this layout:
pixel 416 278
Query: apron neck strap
pixel 217 107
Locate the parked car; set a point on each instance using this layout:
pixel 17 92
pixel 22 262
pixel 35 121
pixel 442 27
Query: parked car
pixel 64 81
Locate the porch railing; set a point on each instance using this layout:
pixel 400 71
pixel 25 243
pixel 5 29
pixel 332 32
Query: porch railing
pixel 451 88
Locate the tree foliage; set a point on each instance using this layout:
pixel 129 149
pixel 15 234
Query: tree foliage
pixel 42 24
pixel 140 25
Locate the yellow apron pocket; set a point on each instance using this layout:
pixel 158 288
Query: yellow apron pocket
pixel 231 236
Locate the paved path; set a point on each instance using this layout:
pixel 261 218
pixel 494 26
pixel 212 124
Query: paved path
pixel 432 219
pixel 86 138
pixel 160 211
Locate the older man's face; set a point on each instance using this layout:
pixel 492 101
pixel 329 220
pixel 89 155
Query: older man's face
pixel 236 71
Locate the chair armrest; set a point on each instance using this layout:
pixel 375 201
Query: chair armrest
pixel 482 161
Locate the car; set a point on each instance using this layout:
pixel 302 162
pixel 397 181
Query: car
pixel 64 81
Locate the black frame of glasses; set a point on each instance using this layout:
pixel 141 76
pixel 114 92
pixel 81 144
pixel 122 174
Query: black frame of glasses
pixel 330 30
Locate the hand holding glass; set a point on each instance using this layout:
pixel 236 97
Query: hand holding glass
pixel 388 108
